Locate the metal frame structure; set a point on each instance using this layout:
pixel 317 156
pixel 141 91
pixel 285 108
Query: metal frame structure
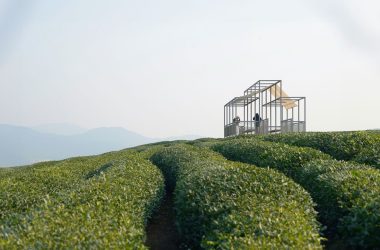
pixel 265 109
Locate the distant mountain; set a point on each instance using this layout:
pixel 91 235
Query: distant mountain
pixel 59 129
pixel 22 145
pixel 101 140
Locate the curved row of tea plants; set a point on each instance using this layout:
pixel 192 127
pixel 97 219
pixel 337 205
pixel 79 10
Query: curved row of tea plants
pixel 347 194
pixel 88 202
pixel 228 205
pixel 361 146
pixel 23 188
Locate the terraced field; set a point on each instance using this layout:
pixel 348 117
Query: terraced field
pixel 286 191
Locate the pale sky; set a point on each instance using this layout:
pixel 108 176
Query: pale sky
pixel 165 68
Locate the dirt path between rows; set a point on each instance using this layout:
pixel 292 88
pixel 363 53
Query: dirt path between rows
pixel 161 231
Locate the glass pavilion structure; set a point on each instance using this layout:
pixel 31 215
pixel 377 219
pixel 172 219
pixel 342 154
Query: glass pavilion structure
pixel 263 109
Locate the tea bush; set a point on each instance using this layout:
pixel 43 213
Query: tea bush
pixel 348 195
pixel 23 188
pixel 370 155
pixel 286 158
pixel 343 191
pixel 77 206
pixel 226 205
pixel 361 146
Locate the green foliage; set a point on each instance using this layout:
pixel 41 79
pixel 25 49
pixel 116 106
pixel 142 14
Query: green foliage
pixel 287 159
pixel 343 191
pixel 227 205
pixel 374 131
pixel 78 203
pixel 105 201
pixel 203 142
pixel 361 146
pixel 157 144
pixel 324 180
pixel 370 155
pixel 347 195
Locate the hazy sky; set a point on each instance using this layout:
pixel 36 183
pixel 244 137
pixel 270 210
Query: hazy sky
pixel 163 68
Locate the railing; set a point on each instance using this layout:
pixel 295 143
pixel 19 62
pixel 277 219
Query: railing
pixel 289 126
pixel 243 127
pixel 262 127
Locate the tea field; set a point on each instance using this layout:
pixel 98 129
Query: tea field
pixel 318 190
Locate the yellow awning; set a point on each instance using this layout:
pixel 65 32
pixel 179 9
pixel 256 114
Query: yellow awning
pixel 277 92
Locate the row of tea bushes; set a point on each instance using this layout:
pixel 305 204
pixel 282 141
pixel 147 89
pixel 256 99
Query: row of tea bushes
pixel 370 156
pixel 106 207
pixel 361 146
pixel 347 194
pixel 228 205
pixel 24 188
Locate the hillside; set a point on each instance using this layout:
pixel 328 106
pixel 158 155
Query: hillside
pixel 296 191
